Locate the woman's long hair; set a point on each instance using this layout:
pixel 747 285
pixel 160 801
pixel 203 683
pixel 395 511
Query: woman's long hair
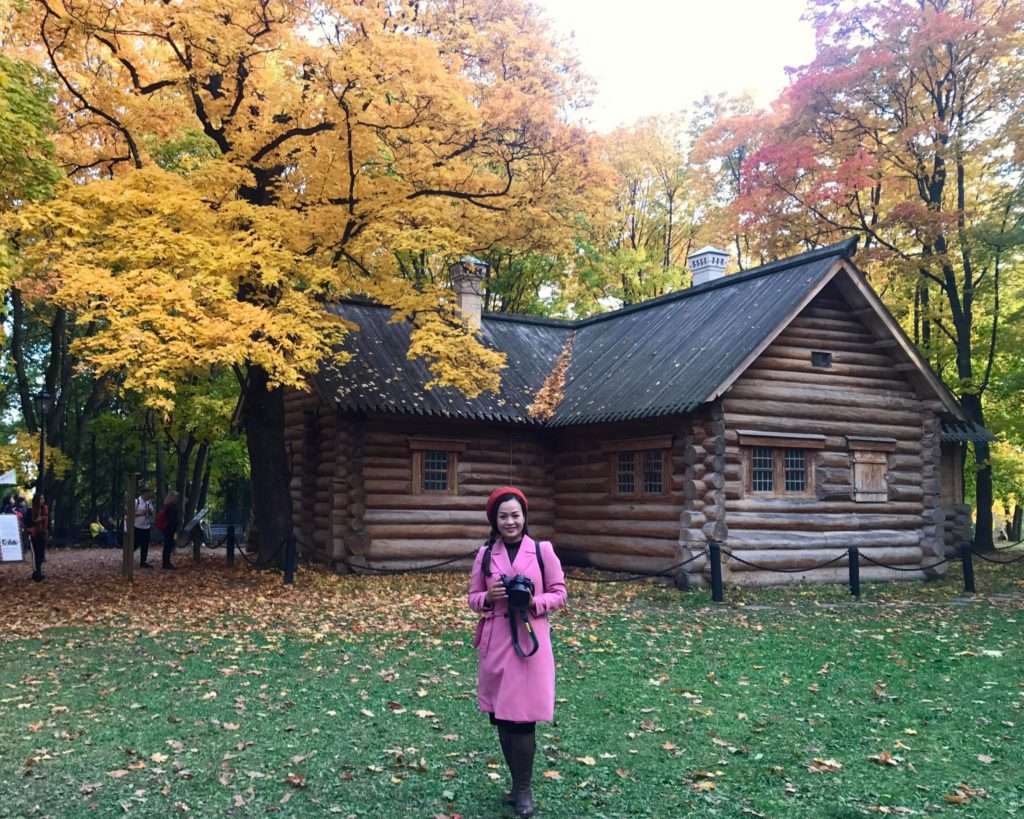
pixel 493 538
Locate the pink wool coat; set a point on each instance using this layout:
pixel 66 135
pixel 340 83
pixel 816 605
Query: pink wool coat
pixel 519 689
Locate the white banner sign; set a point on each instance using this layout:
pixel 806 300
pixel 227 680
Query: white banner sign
pixel 10 539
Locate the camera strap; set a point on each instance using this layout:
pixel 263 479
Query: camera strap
pixel 512 616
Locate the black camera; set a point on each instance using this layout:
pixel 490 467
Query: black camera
pixel 519 589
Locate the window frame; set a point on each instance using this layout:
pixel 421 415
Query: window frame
pixel 867 453
pixel 637 450
pixel 419 447
pixel 778 489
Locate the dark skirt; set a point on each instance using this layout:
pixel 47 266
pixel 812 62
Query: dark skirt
pixel 513 727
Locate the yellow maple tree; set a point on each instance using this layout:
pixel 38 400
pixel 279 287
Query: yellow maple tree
pixel 336 136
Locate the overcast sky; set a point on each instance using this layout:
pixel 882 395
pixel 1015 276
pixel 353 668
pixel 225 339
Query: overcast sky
pixel 655 56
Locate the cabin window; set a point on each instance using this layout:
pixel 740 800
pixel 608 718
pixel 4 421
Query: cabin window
pixel 762 477
pixel 654 472
pixel 796 470
pixel 819 358
pixel 435 465
pixel 778 471
pixel 870 463
pixel 435 471
pixel 779 464
pixel 637 467
pixel 869 477
pixel 639 472
pixel 626 473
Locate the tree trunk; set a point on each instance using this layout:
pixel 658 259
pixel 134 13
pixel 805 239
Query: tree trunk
pixel 1017 521
pixel 983 496
pixel 263 416
pixel 161 470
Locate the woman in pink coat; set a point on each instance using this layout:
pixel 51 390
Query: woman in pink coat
pixel 516 688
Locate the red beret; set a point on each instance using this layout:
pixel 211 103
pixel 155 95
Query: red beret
pixel 492 499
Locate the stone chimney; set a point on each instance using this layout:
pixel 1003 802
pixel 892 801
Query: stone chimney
pixel 707 264
pixel 467 279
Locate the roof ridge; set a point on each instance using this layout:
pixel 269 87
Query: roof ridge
pixel 845 248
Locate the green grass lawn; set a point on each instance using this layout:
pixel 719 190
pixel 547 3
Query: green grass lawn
pixel 363 702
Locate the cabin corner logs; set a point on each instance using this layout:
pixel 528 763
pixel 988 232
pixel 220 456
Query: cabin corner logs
pixel 877 474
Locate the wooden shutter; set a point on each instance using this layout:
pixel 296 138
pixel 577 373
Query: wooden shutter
pixel 869 470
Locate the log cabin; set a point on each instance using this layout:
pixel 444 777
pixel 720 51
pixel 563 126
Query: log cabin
pixel 780 411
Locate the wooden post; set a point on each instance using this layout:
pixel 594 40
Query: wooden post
pixel 127 556
pixel 715 558
pixel 968 561
pixel 855 572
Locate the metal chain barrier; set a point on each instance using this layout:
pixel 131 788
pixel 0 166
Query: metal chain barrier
pixel 630 578
pixel 870 559
pixel 831 562
pixel 714 553
pixel 431 567
pixel 998 562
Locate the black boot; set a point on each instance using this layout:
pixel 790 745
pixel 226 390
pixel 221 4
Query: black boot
pixel 523 746
pixel 506 751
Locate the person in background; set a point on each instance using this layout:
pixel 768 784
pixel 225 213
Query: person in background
pixel 167 522
pixel 144 515
pixel 38 525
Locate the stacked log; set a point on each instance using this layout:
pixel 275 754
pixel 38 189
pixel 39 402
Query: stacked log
pixel 321 484
pixel 596 527
pixel 957 527
pixel 933 517
pixel 861 394
pixel 300 409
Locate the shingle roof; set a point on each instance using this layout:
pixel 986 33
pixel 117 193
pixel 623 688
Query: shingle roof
pixel 956 431
pixel 660 357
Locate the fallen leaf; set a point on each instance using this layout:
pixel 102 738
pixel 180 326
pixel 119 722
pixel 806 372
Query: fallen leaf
pixel 552 775
pixel 824 765
pixel 985 759
pixel 296 780
pixel 586 760
pixel 886 758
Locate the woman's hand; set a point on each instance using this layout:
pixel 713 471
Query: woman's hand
pixel 496 592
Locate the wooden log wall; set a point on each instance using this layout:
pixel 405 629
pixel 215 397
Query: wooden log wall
pixel 864 393
pixel 403 529
pixel 316 442
pixel 594 526
pixel 703 516
pixel 957 527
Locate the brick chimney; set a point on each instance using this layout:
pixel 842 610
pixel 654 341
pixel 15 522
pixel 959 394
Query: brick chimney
pixel 707 264
pixel 467 280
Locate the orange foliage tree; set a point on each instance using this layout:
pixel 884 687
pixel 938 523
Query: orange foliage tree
pixel 903 130
pixel 320 147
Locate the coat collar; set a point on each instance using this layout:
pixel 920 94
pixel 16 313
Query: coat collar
pixel 499 555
